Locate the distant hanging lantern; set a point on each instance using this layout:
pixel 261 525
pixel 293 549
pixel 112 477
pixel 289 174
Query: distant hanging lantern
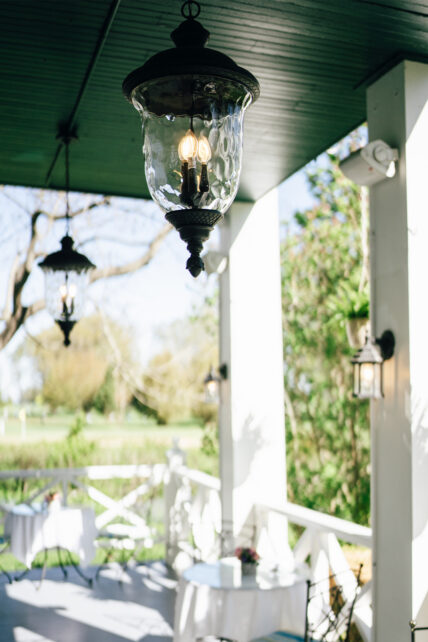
pixel 66 272
pixel 192 102
pixel 368 366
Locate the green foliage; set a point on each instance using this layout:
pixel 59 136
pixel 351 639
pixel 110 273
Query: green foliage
pixel 327 430
pixel 350 303
pixel 78 377
pixel 76 428
pixel 173 379
pixel 209 445
pixel 104 401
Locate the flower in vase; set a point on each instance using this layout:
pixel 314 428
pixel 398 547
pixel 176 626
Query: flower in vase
pixel 247 555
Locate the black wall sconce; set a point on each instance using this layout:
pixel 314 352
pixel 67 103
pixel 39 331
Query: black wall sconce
pixel 368 366
pixel 212 383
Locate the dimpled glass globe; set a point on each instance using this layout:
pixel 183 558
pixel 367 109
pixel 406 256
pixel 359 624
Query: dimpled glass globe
pixel 217 125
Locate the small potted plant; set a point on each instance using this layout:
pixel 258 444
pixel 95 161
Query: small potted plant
pixel 249 559
pixel 351 308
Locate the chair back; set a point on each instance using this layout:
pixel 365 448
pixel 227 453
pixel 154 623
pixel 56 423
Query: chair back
pixel 330 606
pixel 414 630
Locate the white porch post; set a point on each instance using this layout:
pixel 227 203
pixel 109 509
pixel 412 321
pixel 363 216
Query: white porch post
pixel 397 110
pixel 251 418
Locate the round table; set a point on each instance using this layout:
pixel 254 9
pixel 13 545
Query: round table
pixel 215 599
pixel 32 530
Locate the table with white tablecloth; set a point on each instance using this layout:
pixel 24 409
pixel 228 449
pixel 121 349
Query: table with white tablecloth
pixel 213 599
pixel 32 529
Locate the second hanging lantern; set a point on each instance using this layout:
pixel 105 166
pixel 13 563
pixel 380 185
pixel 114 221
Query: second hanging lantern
pixel 66 271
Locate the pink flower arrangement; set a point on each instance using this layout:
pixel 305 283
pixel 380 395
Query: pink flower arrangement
pixel 247 555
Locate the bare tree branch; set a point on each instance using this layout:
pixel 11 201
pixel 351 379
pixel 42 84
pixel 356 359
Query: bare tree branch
pixel 83 210
pixel 132 266
pixel 14 313
pixel 8 307
pixel 111 239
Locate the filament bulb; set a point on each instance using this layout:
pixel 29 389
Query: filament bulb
pixel 204 150
pixel 188 147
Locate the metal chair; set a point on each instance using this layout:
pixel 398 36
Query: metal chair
pixel 329 609
pixel 4 545
pixel 123 539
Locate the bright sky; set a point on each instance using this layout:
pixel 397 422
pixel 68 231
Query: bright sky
pixel 146 300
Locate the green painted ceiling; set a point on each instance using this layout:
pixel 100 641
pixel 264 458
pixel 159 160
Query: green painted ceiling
pixel 313 59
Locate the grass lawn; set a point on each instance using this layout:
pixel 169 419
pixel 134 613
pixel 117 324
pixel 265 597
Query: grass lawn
pixel 134 440
pixel 135 428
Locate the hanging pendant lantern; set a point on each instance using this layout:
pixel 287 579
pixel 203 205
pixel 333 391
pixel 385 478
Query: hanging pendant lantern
pixel 66 274
pixel 192 102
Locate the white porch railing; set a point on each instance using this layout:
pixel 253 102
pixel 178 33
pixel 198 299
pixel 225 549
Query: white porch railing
pixel 191 528
pixel 319 546
pixel 190 520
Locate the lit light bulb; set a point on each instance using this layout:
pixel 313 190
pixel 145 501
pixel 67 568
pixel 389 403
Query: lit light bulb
pixel 204 150
pixel 63 292
pixel 67 294
pixel 211 392
pixel 188 147
pixel 367 374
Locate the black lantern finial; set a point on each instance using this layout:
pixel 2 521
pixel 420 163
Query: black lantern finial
pixel 192 101
pixel 66 271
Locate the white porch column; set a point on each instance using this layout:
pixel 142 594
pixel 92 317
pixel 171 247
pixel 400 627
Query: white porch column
pixel 397 112
pixel 251 419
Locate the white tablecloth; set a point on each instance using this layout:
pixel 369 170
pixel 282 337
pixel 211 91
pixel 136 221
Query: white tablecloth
pixel 211 603
pixel 31 531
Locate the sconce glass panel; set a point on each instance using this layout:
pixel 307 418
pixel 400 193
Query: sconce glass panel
pixel 368 380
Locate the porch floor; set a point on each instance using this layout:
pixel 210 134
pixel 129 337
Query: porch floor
pixel 139 608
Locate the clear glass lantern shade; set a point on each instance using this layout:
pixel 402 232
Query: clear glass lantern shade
pixel 213 164
pixel 212 391
pixel 65 294
pixel 368 380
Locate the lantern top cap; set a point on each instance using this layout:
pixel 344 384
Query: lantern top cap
pixel 211 376
pixel 369 353
pixel 190 58
pixel 67 259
